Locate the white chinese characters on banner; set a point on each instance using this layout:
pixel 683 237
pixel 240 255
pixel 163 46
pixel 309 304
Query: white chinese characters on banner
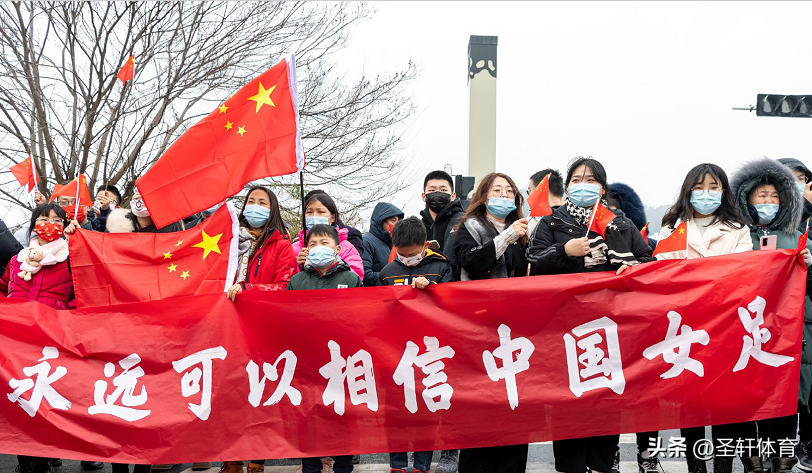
pixel 676 348
pixel 435 383
pixel 589 366
pixel 191 382
pixel 125 384
pixel 358 374
pixel 510 366
pixel 758 336
pixel 271 372
pixel 41 388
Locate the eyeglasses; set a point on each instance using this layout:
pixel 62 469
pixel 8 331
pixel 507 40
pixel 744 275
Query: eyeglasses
pixel 48 220
pixel 498 192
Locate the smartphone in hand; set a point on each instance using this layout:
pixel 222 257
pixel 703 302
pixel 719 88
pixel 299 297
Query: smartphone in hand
pixel 768 242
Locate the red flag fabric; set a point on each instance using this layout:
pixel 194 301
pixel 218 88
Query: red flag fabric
pixel 601 219
pixel 644 232
pixel 677 241
pixel 803 238
pixel 252 135
pixel 539 199
pixel 55 192
pixel 120 268
pixel 127 71
pixel 289 371
pixel 69 190
pixel 24 173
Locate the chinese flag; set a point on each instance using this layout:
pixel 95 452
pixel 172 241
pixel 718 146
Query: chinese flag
pixel 644 232
pixel 677 241
pixel 539 199
pixel 24 172
pixel 69 190
pixel 118 268
pixel 55 193
pixel 127 70
pixel 252 135
pixel 602 217
pixel 802 239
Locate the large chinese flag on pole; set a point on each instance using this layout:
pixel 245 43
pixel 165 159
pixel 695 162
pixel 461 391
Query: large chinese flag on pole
pixel 25 172
pixel 252 135
pixel 539 199
pixel 119 268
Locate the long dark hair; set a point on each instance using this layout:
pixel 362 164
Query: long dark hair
pixel 274 220
pixel 326 201
pixel 598 172
pixel 479 204
pixel 45 209
pixel 728 213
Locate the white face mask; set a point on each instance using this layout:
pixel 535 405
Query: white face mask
pixel 411 261
pixel 138 208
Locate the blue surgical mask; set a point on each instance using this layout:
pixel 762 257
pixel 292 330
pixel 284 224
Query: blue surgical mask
pixel 706 202
pixel 583 194
pixel 500 207
pixel 256 215
pixel 801 186
pixel 321 257
pixel 310 221
pixel 766 212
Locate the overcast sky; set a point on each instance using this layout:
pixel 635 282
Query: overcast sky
pixel 644 87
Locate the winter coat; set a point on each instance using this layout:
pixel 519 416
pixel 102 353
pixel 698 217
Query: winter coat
pixel 546 252
pixel 9 246
pixel 476 253
pixel 339 276
pixel 378 243
pixel 793 163
pixel 354 236
pixel 434 267
pixel 123 221
pixel 630 204
pixel 272 265
pixel 347 252
pixel 51 285
pixel 99 222
pixel 785 227
pixel 718 239
pixel 442 228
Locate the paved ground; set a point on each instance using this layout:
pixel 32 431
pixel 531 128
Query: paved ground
pixel 540 460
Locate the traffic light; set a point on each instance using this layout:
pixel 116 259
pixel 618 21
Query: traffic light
pixel 770 105
pixel 463 185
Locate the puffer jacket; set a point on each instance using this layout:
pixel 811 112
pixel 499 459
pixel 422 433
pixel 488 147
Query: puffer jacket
pixel 9 246
pixel 793 163
pixel 347 251
pixel 52 285
pixel 337 276
pixel 272 265
pixel 546 252
pixel 434 266
pixel 785 227
pixel 377 242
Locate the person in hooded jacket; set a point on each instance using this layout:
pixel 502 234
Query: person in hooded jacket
pixel 354 235
pixel 623 197
pixel 715 227
pixel 378 241
pixel 803 183
pixel 320 209
pixel 9 246
pixel 561 245
pixel 767 195
pixel 490 242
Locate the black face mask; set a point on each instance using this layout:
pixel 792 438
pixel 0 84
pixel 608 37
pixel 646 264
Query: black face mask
pixel 436 201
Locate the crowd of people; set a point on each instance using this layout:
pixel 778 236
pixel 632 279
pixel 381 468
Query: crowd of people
pixel 486 237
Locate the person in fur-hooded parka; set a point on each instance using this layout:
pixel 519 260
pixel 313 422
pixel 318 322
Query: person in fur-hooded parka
pixel 629 202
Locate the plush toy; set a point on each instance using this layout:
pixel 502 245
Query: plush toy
pixel 31 265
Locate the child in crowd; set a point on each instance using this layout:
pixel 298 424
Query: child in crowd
pixel 323 268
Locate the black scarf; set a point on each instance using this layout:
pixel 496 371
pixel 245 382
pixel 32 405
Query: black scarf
pixel 614 245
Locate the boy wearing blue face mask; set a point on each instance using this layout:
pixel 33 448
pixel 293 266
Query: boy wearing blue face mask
pixel 323 268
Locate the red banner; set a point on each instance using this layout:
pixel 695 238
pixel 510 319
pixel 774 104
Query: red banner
pixel 290 374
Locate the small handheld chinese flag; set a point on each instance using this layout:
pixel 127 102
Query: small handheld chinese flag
pixel 393 253
pixel 539 199
pixel 82 193
pixel 26 173
pixel 802 239
pixel 677 241
pixel 644 232
pixel 127 70
pixel 601 216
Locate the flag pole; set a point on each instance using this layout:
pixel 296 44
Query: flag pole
pixel 34 175
pixel 686 238
pixel 592 217
pixel 76 201
pixel 304 220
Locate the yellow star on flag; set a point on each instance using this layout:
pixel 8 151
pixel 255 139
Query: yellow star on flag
pixel 263 97
pixel 223 108
pixel 208 244
pixel 241 131
pixel 229 125
pixel 172 267
pixel 167 255
pixel 185 275
pixel 682 230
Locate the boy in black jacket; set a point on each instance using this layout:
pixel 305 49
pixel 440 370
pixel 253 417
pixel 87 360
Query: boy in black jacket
pixel 416 264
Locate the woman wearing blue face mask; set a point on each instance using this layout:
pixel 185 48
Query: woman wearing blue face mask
pixel 562 245
pixel 766 193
